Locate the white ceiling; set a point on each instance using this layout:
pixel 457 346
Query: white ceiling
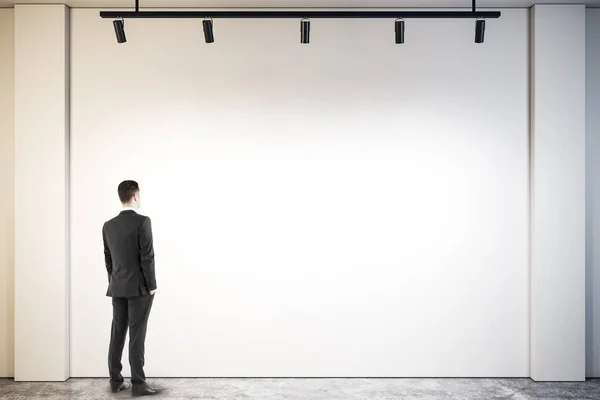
pixel 300 3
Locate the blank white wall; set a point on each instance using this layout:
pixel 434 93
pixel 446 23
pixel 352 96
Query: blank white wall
pixel 346 208
pixel 593 191
pixel 7 217
pixel 558 193
pixel 41 193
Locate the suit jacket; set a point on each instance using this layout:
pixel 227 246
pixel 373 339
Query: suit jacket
pixel 129 255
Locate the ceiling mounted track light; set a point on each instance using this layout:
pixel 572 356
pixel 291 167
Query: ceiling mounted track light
pixel 305 31
pixel 207 25
pixel 119 25
pixel 399 27
pixel 304 15
pixel 479 30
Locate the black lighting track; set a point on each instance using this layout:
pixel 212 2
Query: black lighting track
pixel 300 14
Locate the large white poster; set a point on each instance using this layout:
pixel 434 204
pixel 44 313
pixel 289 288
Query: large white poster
pixel 345 208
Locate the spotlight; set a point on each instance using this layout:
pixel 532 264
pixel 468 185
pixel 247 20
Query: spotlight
pixel 399 31
pixel 479 30
pixel 305 30
pixel 207 24
pixel 119 25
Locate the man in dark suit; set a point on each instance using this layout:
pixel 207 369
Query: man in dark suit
pixel 129 257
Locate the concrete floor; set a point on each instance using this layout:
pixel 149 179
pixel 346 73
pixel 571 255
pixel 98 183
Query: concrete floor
pixel 308 389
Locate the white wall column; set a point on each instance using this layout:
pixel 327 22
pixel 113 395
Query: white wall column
pixel 558 192
pixel 41 193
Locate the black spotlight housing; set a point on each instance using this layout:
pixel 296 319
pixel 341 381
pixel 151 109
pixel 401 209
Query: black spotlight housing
pixel 305 31
pixel 119 25
pixel 400 25
pixel 209 36
pixel 479 31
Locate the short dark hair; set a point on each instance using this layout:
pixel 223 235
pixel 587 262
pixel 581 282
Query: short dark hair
pixel 127 189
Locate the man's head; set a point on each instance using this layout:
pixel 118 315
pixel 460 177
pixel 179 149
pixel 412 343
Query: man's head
pixel 129 193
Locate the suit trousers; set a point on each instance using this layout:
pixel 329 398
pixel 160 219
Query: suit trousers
pixel 129 313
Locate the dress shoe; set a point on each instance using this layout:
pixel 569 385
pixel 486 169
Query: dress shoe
pixel 122 386
pixel 144 391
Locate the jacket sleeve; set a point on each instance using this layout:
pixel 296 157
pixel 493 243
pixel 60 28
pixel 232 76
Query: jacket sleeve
pixel 107 256
pixel 147 253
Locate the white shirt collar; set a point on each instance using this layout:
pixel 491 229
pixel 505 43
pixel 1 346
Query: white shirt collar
pixel 129 209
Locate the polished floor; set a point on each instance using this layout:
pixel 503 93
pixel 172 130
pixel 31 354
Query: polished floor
pixel 308 389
